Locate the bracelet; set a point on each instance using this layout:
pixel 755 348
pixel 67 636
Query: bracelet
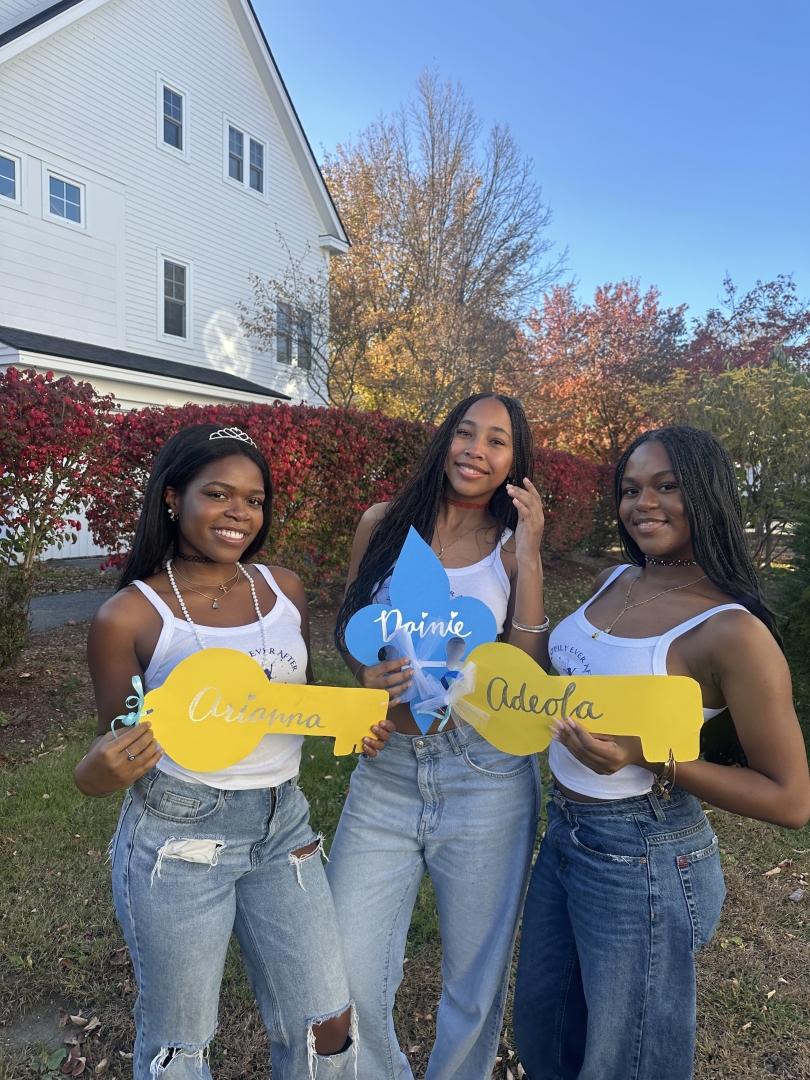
pixel 663 784
pixel 541 629
pixel 355 672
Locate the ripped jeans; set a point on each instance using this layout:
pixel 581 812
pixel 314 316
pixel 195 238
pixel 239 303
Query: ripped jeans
pixel 192 863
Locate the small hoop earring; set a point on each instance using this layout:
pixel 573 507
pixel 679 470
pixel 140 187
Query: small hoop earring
pixel 173 516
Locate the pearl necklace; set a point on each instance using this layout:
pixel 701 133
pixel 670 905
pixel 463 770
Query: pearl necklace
pixel 256 607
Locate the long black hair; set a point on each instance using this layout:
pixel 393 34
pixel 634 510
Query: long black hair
pixel 180 460
pixel 418 503
pixel 708 483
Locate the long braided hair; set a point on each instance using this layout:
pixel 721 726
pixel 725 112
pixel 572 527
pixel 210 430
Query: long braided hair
pixel 706 477
pixel 418 503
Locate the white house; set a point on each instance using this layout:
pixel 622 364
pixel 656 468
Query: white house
pixel 150 161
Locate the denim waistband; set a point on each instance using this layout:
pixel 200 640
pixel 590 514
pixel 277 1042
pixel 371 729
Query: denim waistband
pixel 637 804
pixel 451 741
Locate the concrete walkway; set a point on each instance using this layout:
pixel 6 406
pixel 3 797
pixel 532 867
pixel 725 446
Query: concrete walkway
pixel 47 612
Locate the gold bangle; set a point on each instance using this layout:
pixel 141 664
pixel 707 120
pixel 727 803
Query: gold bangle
pixel 356 670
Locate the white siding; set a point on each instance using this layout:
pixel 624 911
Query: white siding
pixel 85 99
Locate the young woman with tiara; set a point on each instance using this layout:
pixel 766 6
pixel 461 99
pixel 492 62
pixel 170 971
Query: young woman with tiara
pixel 627 886
pixel 445 802
pixel 197 856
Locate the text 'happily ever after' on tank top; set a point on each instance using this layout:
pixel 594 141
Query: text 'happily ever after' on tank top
pixel 277 758
pixel 574 650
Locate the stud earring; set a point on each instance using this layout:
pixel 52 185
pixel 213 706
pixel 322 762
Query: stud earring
pixel 173 516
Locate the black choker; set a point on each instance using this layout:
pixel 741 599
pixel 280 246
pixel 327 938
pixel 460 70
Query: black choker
pixel 191 558
pixel 670 562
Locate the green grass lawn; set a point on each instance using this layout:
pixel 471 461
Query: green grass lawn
pixel 59 940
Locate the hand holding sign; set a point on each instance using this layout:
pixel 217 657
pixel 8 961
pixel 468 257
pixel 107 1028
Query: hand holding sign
pixel 425 624
pixel 515 702
pixel 216 706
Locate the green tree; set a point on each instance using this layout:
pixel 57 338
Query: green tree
pixel 762 417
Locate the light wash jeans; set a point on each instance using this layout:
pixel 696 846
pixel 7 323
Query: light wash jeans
pixel 455 806
pixel 192 863
pixel 622 896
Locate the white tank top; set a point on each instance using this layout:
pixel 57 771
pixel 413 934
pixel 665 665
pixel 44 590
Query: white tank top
pixel 277 757
pixel 486 580
pixel 575 651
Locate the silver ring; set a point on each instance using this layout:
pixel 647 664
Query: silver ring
pixel 131 757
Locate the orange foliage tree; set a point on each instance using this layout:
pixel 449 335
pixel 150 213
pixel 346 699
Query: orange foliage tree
pixel 584 371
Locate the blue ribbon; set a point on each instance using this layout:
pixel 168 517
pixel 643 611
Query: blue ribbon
pixel 135 704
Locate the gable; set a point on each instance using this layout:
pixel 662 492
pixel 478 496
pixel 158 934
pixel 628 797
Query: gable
pixel 35 22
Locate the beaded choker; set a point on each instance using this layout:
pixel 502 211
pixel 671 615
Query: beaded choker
pixel 465 505
pixel 670 562
pixel 191 558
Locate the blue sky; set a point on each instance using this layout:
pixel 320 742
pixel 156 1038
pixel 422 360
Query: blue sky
pixel 671 137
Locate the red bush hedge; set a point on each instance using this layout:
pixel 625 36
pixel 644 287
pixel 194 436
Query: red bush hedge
pixel 328 466
pixel 570 487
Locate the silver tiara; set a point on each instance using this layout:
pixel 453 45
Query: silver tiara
pixel 232 433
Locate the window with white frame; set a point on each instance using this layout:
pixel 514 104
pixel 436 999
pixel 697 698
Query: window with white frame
pixel 9 178
pixel 173 110
pixel 64 199
pixel 244 159
pixel 257 166
pixel 293 336
pixel 175 299
pixel 236 155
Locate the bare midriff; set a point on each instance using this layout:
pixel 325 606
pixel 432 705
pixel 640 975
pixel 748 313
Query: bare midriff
pixel 575 796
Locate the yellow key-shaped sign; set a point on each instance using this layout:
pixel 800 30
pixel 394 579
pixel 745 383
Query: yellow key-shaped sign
pixel 515 702
pixel 217 705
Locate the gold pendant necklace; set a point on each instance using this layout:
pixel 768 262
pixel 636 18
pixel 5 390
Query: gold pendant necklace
pixel 629 607
pixel 222 588
pixel 442 548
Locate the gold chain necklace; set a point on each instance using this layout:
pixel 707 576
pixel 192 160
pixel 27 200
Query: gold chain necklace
pixel 629 607
pixel 442 548
pixel 222 588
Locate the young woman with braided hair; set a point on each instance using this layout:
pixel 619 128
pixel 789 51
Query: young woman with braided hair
pixel 446 802
pixel 628 885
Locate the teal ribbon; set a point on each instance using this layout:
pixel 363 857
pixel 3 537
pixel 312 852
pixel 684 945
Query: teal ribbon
pixel 444 715
pixel 135 704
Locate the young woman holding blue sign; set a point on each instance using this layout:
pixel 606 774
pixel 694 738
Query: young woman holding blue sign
pixel 628 885
pixel 197 856
pixel 444 801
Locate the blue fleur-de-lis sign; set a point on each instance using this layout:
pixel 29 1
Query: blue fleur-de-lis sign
pixel 423 623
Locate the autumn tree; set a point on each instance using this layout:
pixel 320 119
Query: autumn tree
pixel 584 370
pixel 447 227
pixel 745 329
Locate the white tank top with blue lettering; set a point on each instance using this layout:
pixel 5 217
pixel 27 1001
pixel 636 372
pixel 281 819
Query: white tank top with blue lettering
pixel 277 757
pixel 575 651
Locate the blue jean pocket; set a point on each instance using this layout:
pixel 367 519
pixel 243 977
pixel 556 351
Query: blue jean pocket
pixel 175 800
pixel 704 890
pixel 483 757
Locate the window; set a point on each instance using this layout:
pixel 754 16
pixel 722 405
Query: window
pixel 174 299
pixel 173 118
pixel 65 200
pixel 290 328
pixel 8 178
pixel 305 340
pixel 236 154
pixel 244 158
pixel 256 166
pixel 284 326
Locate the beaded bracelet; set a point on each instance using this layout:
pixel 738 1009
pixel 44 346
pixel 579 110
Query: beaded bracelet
pixel 541 629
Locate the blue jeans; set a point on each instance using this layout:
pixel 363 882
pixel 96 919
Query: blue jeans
pixel 455 806
pixel 622 896
pixel 192 863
